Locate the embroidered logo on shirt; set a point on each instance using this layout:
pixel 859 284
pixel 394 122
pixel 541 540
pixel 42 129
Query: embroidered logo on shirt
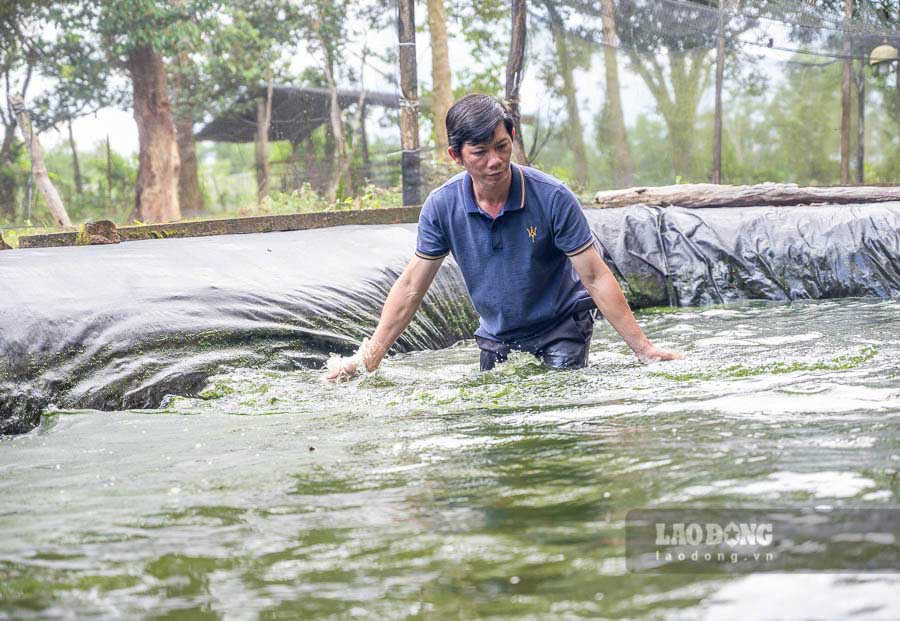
pixel 532 233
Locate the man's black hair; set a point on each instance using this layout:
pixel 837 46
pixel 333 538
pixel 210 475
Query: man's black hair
pixel 473 119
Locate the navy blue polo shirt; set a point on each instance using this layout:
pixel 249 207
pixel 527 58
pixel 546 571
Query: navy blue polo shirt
pixel 516 266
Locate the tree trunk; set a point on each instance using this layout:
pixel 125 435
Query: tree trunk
pixel 108 173
pixel 296 180
pixel 409 103
pixel 341 166
pixel 897 92
pixel 9 153
pixel 716 176
pixel 622 164
pixel 156 194
pixel 712 195
pixel 190 198
pixel 38 167
pixel 845 98
pixel 76 167
pixel 515 71
pixel 575 130
pixel 861 123
pixel 681 134
pixel 441 78
pixel 263 122
pixel 364 144
pixel 689 74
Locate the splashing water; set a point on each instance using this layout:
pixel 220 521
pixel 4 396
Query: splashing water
pixel 430 489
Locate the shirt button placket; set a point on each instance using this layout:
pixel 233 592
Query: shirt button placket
pixel 496 237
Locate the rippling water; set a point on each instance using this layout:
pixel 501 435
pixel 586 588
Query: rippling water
pixel 431 490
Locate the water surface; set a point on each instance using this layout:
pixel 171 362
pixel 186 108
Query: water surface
pixel 429 490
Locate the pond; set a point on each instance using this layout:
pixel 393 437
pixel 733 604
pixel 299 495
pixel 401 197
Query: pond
pixel 430 490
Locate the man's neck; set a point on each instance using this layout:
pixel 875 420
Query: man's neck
pixel 492 198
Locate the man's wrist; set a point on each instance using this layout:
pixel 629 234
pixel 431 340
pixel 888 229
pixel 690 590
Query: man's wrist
pixel 370 354
pixel 643 348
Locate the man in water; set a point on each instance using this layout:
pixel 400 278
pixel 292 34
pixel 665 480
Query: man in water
pixel 525 250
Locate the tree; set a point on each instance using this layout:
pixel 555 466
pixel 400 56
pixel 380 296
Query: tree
pixel 675 67
pixel 441 78
pixel 622 165
pixel 131 37
pixel 244 59
pixel 23 50
pixel 324 24
pixel 566 65
pixel 186 110
pixel 485 28
pixel 12 62
pixel 515 71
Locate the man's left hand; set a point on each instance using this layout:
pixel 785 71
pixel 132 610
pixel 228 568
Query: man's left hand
pixel 652 354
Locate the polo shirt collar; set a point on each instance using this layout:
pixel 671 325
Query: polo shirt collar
pixel 514 202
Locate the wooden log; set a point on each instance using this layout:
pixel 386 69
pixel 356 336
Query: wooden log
pixel 38 167
pixel 713 195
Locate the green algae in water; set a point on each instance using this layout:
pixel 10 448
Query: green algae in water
pixel 839 363
pixel 216 391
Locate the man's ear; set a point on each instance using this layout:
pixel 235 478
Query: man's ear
pixel 456 157
pixel 512 134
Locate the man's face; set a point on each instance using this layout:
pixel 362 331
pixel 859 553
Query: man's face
pixel 488 163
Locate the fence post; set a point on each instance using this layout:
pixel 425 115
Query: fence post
pixel 409 104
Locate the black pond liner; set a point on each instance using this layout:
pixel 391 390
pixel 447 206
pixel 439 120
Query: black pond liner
pixel 116 327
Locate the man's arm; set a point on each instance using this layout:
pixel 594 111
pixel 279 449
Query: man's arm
pixel 402 303
pixel 607 295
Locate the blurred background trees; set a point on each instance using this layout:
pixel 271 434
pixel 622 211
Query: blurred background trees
pixel 615 93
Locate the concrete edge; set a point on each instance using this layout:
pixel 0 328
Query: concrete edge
pixel 237 226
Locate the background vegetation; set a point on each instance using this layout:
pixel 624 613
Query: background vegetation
pixel 781 99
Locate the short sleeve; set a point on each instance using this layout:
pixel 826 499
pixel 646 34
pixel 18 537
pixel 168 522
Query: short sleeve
pixel 571 231
pixel 431 243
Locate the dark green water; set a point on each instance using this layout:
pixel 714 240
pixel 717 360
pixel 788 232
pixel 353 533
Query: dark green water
pixel 429 490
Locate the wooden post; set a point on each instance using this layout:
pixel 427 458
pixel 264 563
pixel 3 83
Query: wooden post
pixel 38 167
pixel 409 103
pixel 514 73
pixel 716 176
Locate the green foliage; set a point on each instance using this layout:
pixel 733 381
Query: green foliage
pixel 485 27
pixel 103 197
pixel 307 200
